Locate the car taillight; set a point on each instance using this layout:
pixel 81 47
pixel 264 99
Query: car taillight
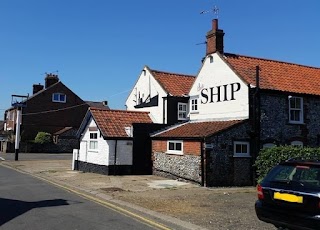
pixel 260 192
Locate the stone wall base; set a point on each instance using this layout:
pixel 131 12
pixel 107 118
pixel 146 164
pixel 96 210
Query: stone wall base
pixel 103 169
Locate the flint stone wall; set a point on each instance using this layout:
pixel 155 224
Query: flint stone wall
pixel 186 167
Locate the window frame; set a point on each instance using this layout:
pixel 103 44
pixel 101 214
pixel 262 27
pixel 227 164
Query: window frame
pixel 194 105
pixel 238 154
pixel 182 111
pixel 300 110
pixel 93 138
pixel 177 152
pixel 59 96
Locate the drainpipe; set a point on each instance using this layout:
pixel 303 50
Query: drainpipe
pixel 256 122
pixel 203 163
pixel 115 158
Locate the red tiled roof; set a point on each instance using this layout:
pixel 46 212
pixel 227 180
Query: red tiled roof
pixel 197 129
pixel 277 75
pixel 173 83
pixel 112 123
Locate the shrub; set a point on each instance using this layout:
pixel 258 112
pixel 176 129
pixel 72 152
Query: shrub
pixel 43 138
pixel 269 157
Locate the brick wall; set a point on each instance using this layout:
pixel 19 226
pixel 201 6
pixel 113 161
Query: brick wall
pixel 33 121
pixel 189 147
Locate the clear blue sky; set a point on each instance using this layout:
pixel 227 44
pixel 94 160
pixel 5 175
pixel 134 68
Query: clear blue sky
pixel 99 47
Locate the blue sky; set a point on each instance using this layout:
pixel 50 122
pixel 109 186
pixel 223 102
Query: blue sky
pixel 99 47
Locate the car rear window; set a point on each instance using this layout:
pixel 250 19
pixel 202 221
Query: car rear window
pixel 301 175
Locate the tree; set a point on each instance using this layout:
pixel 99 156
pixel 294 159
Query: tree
pixel 43 138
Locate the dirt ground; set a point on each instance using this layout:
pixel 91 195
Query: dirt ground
pixel 218 209
pixel 210 208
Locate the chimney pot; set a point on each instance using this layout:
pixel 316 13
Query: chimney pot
pixel 37 88
pixel 215 39
pixel 215 25
pixel 51 79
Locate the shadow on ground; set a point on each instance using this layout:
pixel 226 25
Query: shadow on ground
pixel 10 209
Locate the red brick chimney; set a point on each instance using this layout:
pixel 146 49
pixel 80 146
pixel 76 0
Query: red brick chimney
pixel 36 88
pixel 215 38
pixel 51 79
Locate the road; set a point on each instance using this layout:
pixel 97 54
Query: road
pixel 36 156
pixel 29 203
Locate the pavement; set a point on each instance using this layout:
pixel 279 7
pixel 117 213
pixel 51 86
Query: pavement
pixel 133 195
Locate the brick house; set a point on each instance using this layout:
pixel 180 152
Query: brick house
pixel 238 105
pixel 163 94
pixel 52 108
pixel 110 143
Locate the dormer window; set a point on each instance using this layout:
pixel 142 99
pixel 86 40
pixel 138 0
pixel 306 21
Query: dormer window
pixel 182 111
pixel 59 97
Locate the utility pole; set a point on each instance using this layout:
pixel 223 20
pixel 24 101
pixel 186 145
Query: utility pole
pixel 17 141
pixel 18 102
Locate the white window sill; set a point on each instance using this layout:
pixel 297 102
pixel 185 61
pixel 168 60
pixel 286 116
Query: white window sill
pixel 174 153
pixel 59 101
pixel 93 150
pixel 296 123
pixel 241 156
pixel 194 112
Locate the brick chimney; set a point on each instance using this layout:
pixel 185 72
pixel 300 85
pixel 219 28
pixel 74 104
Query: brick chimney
pixel 36 88
pixel 51 79
pixel 215 38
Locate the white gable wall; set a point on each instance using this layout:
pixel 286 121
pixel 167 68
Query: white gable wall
pixel 105 153
pixel 99 156
pixel 145 86
pixel 221 94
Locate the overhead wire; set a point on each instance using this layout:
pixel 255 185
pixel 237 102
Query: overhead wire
pixel 55 110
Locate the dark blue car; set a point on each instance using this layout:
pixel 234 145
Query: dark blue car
pixel 289 196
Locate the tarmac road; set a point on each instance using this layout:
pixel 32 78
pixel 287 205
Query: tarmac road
pixel 29 203
pixel 182 205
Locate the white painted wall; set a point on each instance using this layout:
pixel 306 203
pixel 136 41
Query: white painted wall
pixel 99 156
pixel 145 85
pixel 105 153
pixel 215 74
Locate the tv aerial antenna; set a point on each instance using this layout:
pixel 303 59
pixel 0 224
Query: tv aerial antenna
pixel 214 10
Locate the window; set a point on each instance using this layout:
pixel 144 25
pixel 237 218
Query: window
pixel 175 147
pixel 182 111
pixel 241 149
pixel 211 59
pixel 295 110
pixel 297 143
pixel 194 105
pixel 93 143
pixel 59 97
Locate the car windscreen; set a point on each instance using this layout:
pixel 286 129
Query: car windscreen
pixel 299 175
